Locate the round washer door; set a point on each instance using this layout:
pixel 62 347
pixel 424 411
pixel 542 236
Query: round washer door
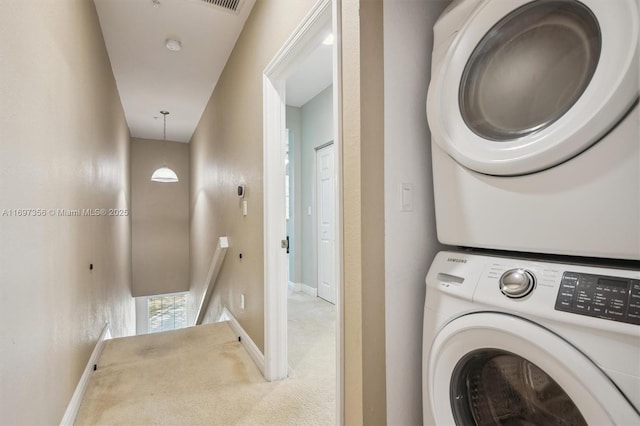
pixel 493 368
pixel 528 84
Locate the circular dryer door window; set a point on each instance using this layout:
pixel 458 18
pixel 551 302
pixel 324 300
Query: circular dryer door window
pixel 497 369
pixel 497 387
pixel 530 69
pixel 520 86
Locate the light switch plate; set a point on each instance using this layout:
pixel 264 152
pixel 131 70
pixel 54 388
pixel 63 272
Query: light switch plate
pixel 407 197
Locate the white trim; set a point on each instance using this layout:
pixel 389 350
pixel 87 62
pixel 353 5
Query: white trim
pixel 337 139
pixel 302 288
pixel 275 258
pixel 295 287
pixel 302 41
pixel 249 345
pixel 311 291
pixel 70 414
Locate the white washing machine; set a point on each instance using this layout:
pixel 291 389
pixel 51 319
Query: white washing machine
pixel 514 341
pixel 533 110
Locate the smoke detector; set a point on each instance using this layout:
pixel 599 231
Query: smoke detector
pixel 173 45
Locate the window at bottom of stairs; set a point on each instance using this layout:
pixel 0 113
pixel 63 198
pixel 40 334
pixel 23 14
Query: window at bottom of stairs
pixel 167 312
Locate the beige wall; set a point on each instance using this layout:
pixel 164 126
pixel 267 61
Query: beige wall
pixel 363 204
pixel 64 144
pixel 226 150
pixel 159 218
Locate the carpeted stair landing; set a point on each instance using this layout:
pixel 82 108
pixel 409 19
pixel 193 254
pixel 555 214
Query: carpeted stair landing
pixel 198 376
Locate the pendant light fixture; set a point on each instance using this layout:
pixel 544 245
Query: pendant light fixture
pixel 164 174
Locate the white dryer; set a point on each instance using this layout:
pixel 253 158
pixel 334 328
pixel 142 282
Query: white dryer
pixel 533 110
pixel 514 341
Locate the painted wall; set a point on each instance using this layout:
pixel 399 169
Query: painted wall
pixel 317 130
pixel 159 218
pixel 310 126
pixel 294 224
pixel 226 150
pixel 65 145
pixel 363 209
pixel 410 242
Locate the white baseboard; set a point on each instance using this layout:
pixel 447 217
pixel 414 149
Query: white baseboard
pixel 294 286
pixel 249 345
pixel 301 287
pixel 76 399
pixel 311 291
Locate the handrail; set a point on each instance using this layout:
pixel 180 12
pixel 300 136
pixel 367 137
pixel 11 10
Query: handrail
pixel 212 277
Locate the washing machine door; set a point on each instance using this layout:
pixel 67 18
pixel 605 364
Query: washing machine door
pixel 519 86
pixel 497 369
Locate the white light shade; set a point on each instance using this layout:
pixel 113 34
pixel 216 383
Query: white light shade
pixel 164 174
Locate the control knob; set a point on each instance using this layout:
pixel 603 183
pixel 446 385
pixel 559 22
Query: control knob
pixel 517 283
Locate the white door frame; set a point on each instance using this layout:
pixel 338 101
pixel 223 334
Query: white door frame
pixel 303 39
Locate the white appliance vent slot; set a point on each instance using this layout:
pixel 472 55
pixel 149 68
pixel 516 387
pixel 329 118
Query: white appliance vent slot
pixel 228 5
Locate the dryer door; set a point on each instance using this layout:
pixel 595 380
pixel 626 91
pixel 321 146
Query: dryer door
pixel 527 84
pixel 497 369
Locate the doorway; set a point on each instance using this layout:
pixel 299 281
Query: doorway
pixel 276 82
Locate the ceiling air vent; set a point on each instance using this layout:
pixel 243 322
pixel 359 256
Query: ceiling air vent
pixel 228 5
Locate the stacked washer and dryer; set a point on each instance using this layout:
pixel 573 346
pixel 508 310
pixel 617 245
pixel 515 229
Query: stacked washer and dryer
pixel 533 110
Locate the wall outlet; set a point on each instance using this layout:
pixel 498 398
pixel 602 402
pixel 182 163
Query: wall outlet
pixel 242 301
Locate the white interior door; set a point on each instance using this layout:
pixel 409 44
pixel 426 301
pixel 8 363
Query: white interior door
pixel 325 219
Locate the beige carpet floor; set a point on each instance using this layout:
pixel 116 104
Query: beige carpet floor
pixel 203 376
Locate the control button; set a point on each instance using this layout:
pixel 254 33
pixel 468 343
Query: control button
pixel 517 283
pixel 581 307
pixel 564 302
pixel 634 313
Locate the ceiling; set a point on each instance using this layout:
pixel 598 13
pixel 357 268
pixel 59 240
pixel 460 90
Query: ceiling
pixel 151 78
pixel 311 76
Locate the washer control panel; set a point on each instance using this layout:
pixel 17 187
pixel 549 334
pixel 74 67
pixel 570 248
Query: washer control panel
pixel 608 297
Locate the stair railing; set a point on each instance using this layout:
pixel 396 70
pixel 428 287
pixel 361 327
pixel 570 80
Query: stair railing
pixel 212 277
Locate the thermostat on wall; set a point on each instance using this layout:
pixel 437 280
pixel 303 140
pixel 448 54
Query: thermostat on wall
pixel 241 191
